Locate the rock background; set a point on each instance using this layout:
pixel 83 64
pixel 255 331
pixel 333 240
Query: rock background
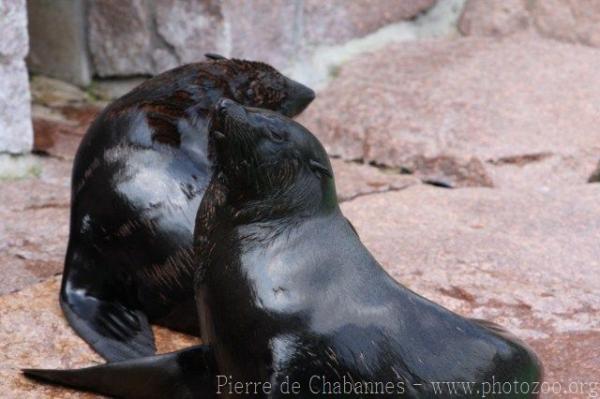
pixel 141 37
pixel 497 99
pixel 15 114
pixel 516 112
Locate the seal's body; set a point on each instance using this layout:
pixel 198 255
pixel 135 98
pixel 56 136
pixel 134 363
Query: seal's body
pixel 138 178
pixel 289 293
pixel 292 303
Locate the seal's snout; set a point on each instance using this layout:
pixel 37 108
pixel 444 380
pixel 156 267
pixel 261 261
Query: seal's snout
pixel 229 109
pixel 300 97
pixel 223 104
pixel 222 110
pixel 307 95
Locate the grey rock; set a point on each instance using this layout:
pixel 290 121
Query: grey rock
pixel 143 37
pixel 263 29
pixel 16 133
pixel 58 40
pixel 190 27
pixel 337 21
pixel 13 29
pixel 120 37
pixel 284 33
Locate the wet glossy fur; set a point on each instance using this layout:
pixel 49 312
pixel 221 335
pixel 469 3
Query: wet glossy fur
pixel 138 178
pixel 288 293
pixel 310 300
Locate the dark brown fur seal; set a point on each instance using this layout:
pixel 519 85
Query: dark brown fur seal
pixel 138 178
pixel 292 302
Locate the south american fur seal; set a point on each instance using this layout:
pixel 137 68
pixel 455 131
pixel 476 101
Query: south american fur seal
pixel 138 178
pixel 293 304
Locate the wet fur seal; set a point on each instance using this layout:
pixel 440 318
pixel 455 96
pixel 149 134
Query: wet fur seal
pixel 290 298
pixel 138 178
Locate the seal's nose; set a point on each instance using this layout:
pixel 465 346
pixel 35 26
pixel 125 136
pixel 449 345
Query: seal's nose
pixel 223 104
pixel 306 95
pixel 298 99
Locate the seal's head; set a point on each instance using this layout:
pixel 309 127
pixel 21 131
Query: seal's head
pixel 257 84
pixel 269 159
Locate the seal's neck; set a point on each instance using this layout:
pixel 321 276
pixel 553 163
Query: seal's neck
pixel 305 198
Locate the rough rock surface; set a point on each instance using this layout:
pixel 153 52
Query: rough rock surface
pixel 16 134
pixel 355 180
pixel 34 333
pixel 120 37
pixel 61 115
pixel 58 135
pixel 58 40
pixel 494 18
pixel 573 21
pixel 190 27
pixel 13 29
pixel 15 110
pixel 34 228
pixel 141 37
pixel 570 20
pixel 525 259
pixel 525 108
pixel 333 22
pixel 277 40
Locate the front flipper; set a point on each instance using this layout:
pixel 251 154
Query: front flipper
pixel 113 330
pixel 188 373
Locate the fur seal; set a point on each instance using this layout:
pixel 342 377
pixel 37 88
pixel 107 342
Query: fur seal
pixel 138 178
pixel 293 304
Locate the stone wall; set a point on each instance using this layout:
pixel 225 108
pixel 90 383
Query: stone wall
pixel 142 37
pixel 16 134
pixel 145 37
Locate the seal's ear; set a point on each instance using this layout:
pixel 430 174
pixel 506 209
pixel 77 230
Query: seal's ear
pixel 213 56
pixel 318 167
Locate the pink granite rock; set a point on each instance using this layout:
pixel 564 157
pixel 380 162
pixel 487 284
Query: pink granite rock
pixel 34 228
pixel 354 180
pixel 574 21
pixel 494 17
pixel 34 333
pixel 525 108
pixel 525 259
pixel 570 20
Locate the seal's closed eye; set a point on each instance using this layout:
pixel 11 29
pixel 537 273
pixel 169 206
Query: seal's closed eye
pixel 276 136
pixel 319 168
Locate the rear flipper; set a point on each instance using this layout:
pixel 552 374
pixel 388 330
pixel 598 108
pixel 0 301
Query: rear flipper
pixel 184 374
pixel 113 330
